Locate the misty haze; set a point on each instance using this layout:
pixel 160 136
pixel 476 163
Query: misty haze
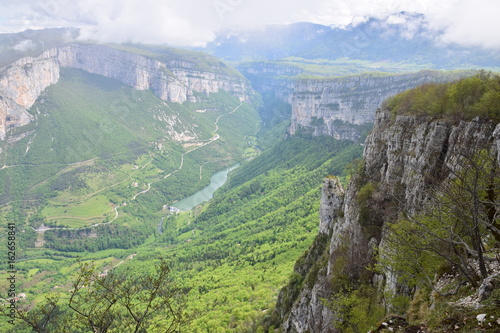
pixel 250 166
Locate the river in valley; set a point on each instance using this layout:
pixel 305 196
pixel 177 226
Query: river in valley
pixel 217 180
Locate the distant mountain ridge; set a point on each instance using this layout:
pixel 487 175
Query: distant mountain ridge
pixel 32 43
pixel 374 40
pixel 334 78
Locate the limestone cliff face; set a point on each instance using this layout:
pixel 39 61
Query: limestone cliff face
pixel 177 81
pixel 20 85
pixel 332 199
pixel 403 150
pixel 332 106
pixel 398 153
pixel 303 309
pixel 342 107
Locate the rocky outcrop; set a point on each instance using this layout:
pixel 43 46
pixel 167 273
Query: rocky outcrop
pixel 399 153
pixel 335 106
pixel 22 82
pixel 404 150
pixel 20 85
pixel 305 306
pixel 332 198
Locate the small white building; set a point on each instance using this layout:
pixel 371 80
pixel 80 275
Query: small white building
pixel 174 210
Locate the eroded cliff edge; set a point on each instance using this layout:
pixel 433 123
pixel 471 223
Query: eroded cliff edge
pixel 339 107
pixel 399 154
pixel 172 80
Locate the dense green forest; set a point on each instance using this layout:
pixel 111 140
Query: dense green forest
pixel 477 96
pixel 231 256
pixel 89 189
pixel 102 169
pixel 99 151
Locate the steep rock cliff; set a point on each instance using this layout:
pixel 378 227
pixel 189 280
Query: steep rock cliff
pixel 302 308
pixel 332 106
pixel 175 81
pixel 20 85
pixel 398 155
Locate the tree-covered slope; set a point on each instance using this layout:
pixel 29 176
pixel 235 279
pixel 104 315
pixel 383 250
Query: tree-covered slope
pixel 238 251
pixel 412 243
pixel 233 255
pixel 477 96
pixel 96 145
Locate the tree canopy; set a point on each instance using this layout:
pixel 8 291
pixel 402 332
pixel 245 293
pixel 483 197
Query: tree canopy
pixel 464 99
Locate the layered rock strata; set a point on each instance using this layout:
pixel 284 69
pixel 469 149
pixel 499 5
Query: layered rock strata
pixel 22 82
pixel 398 155
pixel 175 81
pixel 20 85
pixel 332 106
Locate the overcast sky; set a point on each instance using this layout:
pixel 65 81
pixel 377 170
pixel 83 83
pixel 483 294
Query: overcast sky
pixel 195 22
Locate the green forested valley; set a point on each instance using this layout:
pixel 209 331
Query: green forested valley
pixel 96 144
pixel 231 256
pixel 104 164
pixel 107 132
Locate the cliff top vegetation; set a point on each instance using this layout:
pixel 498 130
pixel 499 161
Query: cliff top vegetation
pixel 465 99
pixel 179 58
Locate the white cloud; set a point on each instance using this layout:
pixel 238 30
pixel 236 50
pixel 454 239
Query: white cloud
pixel 471 23
pixel 152 21
pixel 190 22
pixel 396 19
pixel 25 46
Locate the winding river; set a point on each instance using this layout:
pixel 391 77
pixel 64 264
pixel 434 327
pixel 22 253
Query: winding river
pixel 217 180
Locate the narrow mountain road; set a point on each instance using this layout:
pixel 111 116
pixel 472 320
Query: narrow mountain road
pixel 214 138
pixel 114 185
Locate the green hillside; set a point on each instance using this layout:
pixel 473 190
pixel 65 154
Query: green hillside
pixel 233 255
pixel 102 165
pixel 96 145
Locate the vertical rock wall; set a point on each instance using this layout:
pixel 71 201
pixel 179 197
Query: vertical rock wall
pixel 332 106
pixel 398 153
pixel 20 85
pixel 22 82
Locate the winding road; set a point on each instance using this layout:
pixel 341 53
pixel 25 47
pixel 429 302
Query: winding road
pixel 214 138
